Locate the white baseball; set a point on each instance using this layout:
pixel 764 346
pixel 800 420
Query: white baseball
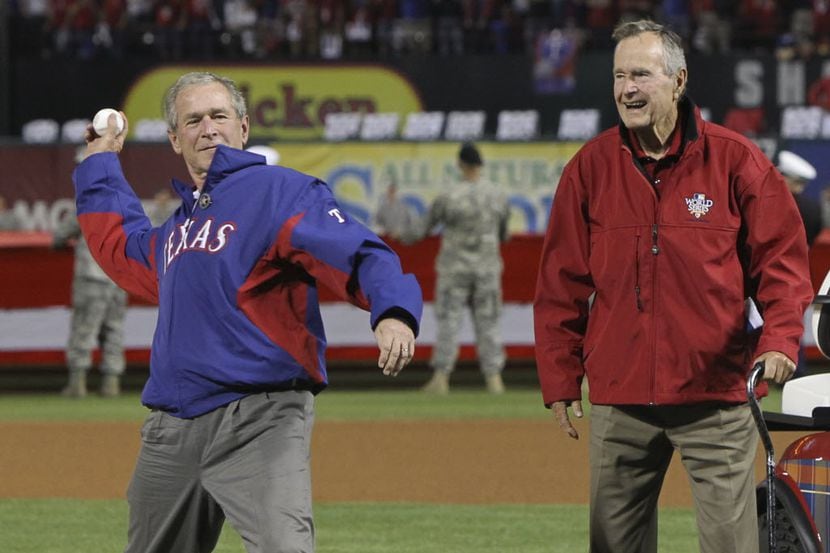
pixel 99 122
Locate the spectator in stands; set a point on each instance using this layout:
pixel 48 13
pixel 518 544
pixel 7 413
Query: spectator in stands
pixel 98 310
pixel 555 67
pixel 358 32
pixel 301 28
pixel 168 29
pixel 72 23
pixel 140 14
pixel 677 16
pixel 331 15
pixel 821 18
pixel 411 32
pixel 473 217
pixel 331 29
pixel 600 17
pixel 446 23
pixel 8 218
pixel 270 28
pixel 139 39
pixel 200 23
pixel 786 47
pixel 506 30
pixel 792 46
pixel 762 22
pixel 470 26
pixel 111 32
pixel 801 19
pixel 714 25
pixel 28 26
pixel 538 21
pixel 240 30
pixel 565 13
pixel 382 14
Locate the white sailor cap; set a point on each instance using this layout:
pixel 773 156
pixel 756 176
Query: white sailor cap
pixel 792 165
pixel 272 156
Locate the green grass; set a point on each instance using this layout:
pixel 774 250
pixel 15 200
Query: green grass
pixel 331 405
pixel 53 407
pixel 72 526
pixel 462 404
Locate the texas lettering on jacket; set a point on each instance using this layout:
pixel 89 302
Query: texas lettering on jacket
pixel 211 237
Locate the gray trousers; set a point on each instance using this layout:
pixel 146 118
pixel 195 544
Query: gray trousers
pixel 481 293
pixel 247 461
pixel 631 447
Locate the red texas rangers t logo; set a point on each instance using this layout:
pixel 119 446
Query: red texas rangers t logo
pixel 699 205
pixel 210 238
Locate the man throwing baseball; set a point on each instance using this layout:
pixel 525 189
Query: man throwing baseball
pixel 660 228
pixel 239 347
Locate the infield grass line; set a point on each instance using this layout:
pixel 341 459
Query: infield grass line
pixel 331 405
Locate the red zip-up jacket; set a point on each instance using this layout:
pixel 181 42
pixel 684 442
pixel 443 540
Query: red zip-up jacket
pixel 670 273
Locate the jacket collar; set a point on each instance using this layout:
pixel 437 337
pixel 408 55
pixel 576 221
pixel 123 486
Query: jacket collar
pixel 226 161
pixel 688 118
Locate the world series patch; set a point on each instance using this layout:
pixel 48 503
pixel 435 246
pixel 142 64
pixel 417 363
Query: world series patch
pixel 699 205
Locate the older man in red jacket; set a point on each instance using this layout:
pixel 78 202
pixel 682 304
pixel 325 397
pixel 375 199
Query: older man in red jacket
pixel 660 230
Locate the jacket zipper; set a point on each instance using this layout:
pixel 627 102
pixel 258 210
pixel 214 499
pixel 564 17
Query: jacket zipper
pixel 637 274
pixel 655 251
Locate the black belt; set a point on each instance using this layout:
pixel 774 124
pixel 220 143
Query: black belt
pixel 295 384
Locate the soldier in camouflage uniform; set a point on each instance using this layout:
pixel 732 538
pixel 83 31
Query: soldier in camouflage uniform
pixel 98 309
pixel 8 219
pixel 392 217
pixel 473 218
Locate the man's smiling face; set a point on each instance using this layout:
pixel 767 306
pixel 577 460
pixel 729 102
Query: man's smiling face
pixel 205 119
pixel 645 95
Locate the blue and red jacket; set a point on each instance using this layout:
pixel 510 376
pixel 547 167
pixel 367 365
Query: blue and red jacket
pixel 235 274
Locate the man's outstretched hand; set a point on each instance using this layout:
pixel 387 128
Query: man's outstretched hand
pixel 396 342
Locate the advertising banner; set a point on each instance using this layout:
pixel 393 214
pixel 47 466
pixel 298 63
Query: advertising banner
pixel 289 102
pixel 359 173
pixel 38 185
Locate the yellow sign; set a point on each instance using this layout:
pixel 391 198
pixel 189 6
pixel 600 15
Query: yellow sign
pixel 359 173
pixel 288 102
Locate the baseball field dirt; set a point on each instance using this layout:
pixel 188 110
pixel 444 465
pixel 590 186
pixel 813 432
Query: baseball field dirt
pixel 479 461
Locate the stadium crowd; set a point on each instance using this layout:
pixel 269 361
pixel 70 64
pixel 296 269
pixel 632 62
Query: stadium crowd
pixel 366 29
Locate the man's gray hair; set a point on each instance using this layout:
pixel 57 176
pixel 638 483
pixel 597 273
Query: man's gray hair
pixel 675 59
pixel 199 78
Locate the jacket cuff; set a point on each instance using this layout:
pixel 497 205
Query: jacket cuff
pixel 560 380
pixel 402 315
pixel 785 346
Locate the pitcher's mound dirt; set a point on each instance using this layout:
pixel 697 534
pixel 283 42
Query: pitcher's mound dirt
pixel 427 461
